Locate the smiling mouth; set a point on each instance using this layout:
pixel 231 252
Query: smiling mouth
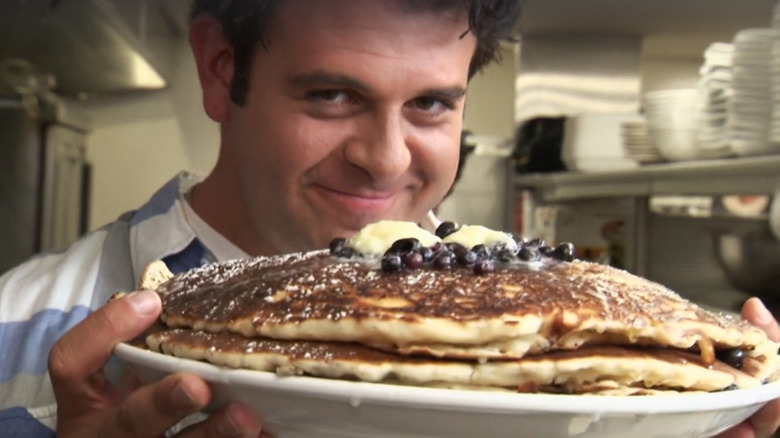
pixel 358 202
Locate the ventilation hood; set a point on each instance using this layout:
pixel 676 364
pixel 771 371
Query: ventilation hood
pixel 89 47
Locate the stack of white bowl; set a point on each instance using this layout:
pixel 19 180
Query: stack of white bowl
pixel 672 122
pixel 637 143
pixel 750 108
pixel 776 16
pixel 715 92
pixel 592 143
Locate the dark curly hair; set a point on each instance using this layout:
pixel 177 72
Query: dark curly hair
pixel 245 23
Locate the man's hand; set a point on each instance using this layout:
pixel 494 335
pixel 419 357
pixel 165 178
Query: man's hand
pixel 766 421
pixel 89 405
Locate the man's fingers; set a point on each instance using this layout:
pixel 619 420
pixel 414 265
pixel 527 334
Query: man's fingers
pixel 766 421
pixel 79 355
pixel 755 312
pixel 234 421
pixel 128 383
pixel 762 424
pixel 742 430
pixel 155 408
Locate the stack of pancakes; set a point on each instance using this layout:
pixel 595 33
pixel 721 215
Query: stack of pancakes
pixel 551 325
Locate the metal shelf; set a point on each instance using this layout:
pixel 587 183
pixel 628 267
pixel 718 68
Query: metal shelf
pixel 707 177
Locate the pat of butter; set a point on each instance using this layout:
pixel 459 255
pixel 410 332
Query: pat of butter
pixel 375 239
pixel 472 235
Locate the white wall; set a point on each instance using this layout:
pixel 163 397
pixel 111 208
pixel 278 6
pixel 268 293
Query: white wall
pixel 199 133
pixel 140 141
pixel 490 101
pixel 130 161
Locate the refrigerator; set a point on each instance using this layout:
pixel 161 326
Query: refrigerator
pixel 44 177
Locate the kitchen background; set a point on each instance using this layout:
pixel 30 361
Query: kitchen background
pixel 572 95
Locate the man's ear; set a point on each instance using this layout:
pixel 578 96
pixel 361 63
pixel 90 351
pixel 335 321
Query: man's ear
pixel 214 60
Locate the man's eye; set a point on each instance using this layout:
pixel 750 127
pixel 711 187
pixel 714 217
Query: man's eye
pixel 431 104
pixel 333 96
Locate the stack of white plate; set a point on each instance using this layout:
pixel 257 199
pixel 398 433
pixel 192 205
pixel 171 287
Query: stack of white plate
pixel 637 143
pixel 673 122
pixel 774 68
pixel 715 93
pixel 750 108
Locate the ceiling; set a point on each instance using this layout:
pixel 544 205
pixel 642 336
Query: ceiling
pixel 672 28
pixel 83 47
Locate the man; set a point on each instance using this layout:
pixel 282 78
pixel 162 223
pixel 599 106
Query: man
pixel 333 114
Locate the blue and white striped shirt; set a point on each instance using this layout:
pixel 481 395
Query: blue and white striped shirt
pixel 47 295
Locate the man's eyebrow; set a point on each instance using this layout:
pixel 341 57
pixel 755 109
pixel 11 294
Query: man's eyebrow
pixel 324 78
pixel 320 78
pixel 448 93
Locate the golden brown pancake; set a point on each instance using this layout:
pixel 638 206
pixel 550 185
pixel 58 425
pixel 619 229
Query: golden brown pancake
pixel 586 370
pixel 550 324
pixel 316 296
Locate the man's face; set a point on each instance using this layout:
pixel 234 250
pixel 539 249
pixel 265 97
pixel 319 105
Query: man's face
pixel 353 115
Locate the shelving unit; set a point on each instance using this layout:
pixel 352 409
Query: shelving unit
pixel 674 249
pixel 707 177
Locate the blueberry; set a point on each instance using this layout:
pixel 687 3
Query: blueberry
pixel 444 260
pixel 456 248
pixel 345 252
pixel 504 255
pixel 350 252
pixel 527 254
pixel 445 229
pixel 546 251
pixel 564 252
pixel 404 246
pixel 392 263
pixel 482 251
pixel 502 246
pixel 733 356
pixel 484 267
pixel 467 258
pixel 536 243
pixel 413 260
pixel 426 253
pixel 438 247
pixel 337 244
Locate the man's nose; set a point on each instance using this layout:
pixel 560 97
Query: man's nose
pixel 380 148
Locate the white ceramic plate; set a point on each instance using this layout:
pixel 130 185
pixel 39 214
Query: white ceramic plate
pixel 306 407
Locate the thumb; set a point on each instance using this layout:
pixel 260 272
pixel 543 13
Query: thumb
pixel 83 351
pixel 756 313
